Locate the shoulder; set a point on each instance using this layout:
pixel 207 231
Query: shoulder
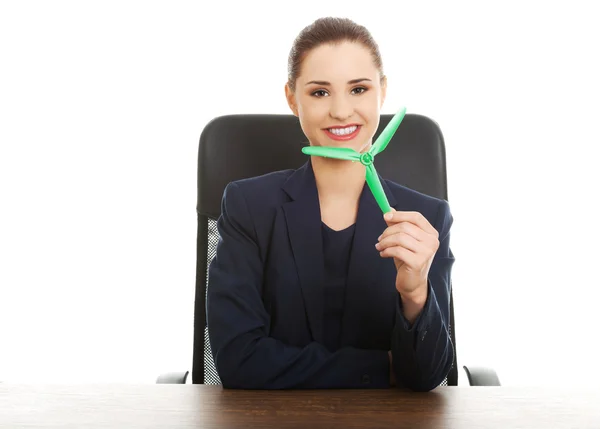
pixel 275 179
pixel 255 199
pixel 249 205
pixel 436 210
pixel 259 189
pixel 403 193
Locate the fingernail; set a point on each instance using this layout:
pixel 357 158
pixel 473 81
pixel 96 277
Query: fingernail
pixel 379 238
pixel 388 216
pixel 377 246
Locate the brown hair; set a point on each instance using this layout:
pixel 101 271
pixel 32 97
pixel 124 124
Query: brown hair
pixel 333 31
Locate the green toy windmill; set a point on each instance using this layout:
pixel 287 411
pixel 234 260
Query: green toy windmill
pixel 365 158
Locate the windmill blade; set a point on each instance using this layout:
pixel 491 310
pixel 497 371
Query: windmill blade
pixel 332 152
pixel 377 189
pixel 387 133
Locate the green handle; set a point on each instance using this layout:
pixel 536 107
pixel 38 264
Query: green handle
pixel 344 153
pixel 377 189
pixel 387 133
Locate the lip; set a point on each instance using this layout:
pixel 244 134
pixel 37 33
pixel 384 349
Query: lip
pixel 344 137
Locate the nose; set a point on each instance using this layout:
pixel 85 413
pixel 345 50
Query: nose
pixel 341 108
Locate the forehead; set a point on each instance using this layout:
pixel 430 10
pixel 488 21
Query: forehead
pixel 340 62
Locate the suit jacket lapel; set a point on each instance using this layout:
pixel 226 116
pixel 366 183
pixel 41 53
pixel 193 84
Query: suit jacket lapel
pixel 365 265
pixel 303 217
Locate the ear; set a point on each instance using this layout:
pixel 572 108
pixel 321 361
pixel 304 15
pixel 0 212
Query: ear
pixel 291 99
pixel 383 90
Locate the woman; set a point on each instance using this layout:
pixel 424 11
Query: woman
pixel 311 286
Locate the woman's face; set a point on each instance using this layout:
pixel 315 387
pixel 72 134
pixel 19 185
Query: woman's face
pixel 338 96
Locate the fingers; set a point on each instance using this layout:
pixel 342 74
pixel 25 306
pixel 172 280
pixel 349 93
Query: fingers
pixel 409 239
pixel 401 239
pixel 401 254
pixel 407 228
pixel 416 218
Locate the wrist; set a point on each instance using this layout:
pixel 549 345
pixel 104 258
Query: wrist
pixel 413 304
pixel 416 297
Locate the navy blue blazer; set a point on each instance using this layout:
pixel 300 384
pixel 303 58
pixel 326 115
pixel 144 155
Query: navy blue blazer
pixel 265 293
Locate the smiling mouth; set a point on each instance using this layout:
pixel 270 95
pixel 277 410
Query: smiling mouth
pixel 346 133
pixel 343 131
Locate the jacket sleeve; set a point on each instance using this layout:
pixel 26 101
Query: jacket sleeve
pixel 245 356
pixel 422 353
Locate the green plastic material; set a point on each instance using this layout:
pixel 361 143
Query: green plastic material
pixel 366 158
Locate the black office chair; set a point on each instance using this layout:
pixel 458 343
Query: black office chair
pixel 239 146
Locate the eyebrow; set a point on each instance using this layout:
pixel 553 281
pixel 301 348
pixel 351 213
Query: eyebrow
pixel 350 82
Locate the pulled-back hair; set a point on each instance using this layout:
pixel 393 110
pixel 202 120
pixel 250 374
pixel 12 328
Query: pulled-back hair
pixel 329 31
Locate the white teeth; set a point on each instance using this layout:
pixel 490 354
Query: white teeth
pixel 343 131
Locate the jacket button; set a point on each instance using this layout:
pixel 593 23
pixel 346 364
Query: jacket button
pixel 366 379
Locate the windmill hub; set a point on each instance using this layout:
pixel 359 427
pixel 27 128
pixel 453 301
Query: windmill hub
pixel 366 159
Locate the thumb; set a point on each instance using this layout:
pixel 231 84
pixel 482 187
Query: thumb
pixel 390 216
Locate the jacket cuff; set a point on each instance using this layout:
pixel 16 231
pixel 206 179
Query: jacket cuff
pixel 411 332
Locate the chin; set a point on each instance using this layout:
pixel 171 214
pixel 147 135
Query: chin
pixel 357 144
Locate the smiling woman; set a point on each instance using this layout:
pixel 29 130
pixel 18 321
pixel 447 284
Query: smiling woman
pixel 336 85
pixel 311 287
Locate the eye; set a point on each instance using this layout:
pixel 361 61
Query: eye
pixel 319 93
pixel 360 89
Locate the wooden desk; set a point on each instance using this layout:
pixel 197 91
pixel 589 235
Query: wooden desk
pixel 195 406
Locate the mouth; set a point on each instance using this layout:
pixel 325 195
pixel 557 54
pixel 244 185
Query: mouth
pixel 343 133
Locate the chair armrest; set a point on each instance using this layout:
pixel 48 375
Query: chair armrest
pixel 482 376
pixel 172 378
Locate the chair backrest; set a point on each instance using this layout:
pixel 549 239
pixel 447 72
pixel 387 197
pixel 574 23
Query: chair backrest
pixel 233 147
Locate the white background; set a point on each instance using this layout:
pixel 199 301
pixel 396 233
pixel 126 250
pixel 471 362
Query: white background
pixel 101 107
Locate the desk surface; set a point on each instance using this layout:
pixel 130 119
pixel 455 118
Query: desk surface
pixel 196 406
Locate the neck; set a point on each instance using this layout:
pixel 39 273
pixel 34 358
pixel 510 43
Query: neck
pixel 338 182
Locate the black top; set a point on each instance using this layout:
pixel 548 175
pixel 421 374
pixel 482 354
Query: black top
pixel 336 251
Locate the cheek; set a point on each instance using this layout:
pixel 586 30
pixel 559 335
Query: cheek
pixel 369 108
pixel 312 115
pixel 371 101
pixel 307 122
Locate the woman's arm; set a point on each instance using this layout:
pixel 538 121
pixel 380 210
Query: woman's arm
pixel 245 356
pixel 422 351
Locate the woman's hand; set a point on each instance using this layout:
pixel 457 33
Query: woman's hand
pixel 412 242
